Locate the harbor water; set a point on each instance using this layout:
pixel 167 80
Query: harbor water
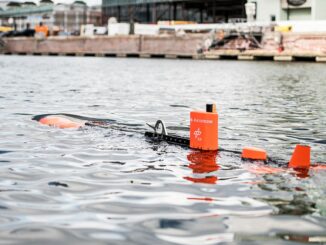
pixel 113 186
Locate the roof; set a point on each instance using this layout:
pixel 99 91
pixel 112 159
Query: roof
pixel 26 11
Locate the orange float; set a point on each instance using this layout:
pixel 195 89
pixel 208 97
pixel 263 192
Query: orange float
pixel 254 153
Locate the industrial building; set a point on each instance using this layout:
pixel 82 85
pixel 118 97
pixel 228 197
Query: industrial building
pixel 152 11
pixel 65 18
pixel 290 10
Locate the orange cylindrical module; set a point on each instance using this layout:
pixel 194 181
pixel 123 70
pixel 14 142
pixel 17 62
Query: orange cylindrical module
pixel 204 129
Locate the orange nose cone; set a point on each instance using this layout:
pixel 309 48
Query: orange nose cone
pixel 60 122
pixel 254 153
pixel 300 157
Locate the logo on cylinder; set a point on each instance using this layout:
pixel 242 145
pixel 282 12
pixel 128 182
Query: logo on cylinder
pixel 197 133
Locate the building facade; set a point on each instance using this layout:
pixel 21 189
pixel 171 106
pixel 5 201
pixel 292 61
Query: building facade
pixel 291 10
pixel 66 18
pixel 152 11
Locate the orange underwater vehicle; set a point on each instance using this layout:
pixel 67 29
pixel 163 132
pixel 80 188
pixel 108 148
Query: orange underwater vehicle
pixel 203 136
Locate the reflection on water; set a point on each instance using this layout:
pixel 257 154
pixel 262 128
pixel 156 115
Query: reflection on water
pixel 111 185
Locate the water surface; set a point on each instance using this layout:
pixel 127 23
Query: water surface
pixel 109 186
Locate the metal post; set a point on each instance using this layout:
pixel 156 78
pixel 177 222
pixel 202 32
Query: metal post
pixel 169 6
pixel 119 14
pixel 15 24
pixel 65 20
pixel 148 14
pixel 131 19
pixel 77 21
pixel 154 14
pixel 214 11
pixel 183 11
pixel 84 15
pixel 174 11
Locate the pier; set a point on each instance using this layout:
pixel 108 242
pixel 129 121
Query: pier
pixel 296 47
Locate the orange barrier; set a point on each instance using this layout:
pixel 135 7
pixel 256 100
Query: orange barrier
pixel 254 153
pixel 42 29
pixel 204 129
pixel 60 122
pixel 300 157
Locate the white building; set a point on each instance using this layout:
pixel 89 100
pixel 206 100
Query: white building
pixel 290 10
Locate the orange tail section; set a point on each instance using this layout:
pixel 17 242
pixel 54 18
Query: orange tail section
pixel 300 157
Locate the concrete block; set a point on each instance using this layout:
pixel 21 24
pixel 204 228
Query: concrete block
pixel 122 55
pixel 246 57
pixel 212 57
pixel 145 56
pixel 283 58
pixel 197 57
pixel 321 59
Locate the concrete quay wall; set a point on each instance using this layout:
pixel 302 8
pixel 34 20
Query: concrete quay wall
pixel 120 45
pixel 297 47
pixel 297 42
